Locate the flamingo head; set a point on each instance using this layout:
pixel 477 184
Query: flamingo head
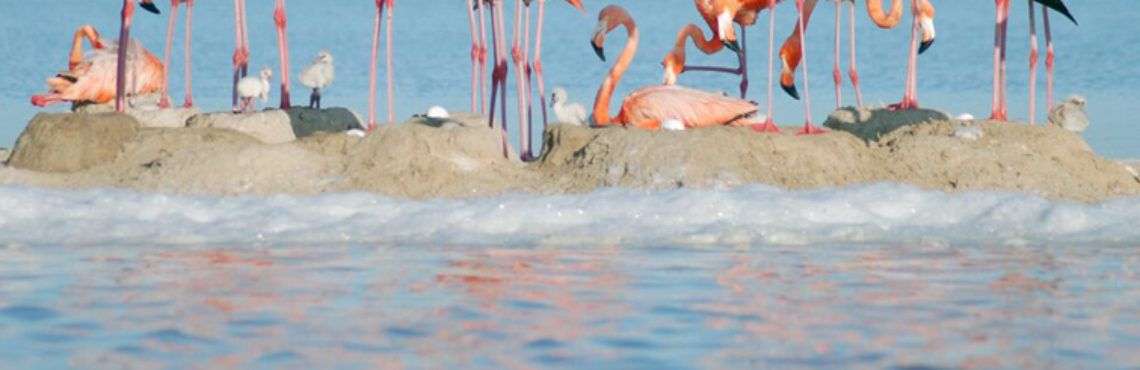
pixel 324 57
pixel 266 74
pixel 674 65
pixel 926 26
pixel 608 19
pixel 790 54
pixel 149 6
pixel 726 31
pixel 577 5
pixel 558 96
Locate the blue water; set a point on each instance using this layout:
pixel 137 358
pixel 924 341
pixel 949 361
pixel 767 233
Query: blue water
pixel 433 67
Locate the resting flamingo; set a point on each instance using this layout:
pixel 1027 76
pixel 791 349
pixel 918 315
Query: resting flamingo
pixel 521 55
pixel 91 77
pixel 124 44
pixel 649 107
pixel 380 5
pixel 720 14
pixel 280 20
pixel 189 98
pixel 1000 110
pixel 241 50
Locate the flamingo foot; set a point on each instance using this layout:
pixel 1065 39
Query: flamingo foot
pixel 42 100
pixel 810 129
pixel 768 127
pixel 164 103
pixel 905 104
pixel 999 116
pixel 188 103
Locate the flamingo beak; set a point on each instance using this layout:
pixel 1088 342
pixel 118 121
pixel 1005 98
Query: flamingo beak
pixel 732 45
pixel 601 52
pixel 926 44
pixel 150 7
pixel 791 90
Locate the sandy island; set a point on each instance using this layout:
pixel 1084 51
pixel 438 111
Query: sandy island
pixel 422 159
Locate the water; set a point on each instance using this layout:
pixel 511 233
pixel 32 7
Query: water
pixel 753 277
pixel 432 59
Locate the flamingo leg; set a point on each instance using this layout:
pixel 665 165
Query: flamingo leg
pixel 1049 58
pixel 529 75
pixel 482 58
pixel 372 66
pixel 853 69
pixel 538 61
pixel 390 65
pixel 910 95
pixel 164 101
pixel 1033 54
pixel 836 75
pixel 241 56
pixel 520 83
pixel 499 74
pixel 474 56
pixel 280 20
pixel 1000 23
pixel 769 124
pixel 124 43
pixel 188 100
pixel 741 69
pixel 808 128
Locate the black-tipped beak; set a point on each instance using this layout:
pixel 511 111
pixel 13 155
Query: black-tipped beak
pixel 925 45
pixel 732 45
pixel 599 50
pixel 791 90
pixel 150 7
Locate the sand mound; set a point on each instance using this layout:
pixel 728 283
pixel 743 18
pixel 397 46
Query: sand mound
pixel 461 157
pixel 65 142
pixel 4 153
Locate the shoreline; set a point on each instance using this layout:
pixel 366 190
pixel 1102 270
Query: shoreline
pixel 424 160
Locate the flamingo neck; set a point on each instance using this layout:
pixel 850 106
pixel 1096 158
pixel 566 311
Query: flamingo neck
pixel 606 91
pixel 708 46
pixel 882 19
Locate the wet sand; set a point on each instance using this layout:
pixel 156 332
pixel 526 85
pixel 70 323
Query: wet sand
pixel 420 159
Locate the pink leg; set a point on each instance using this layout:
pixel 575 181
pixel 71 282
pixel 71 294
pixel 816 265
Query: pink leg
pixel 1033 54
pixel 910 96
pixel 124 43
pixel 189 98
pixel 808 128
pixel 999 111
pixel 538 61
pixel 372 66
pixel 520 83
pixel 474 56
pixel 283 51
pixel 482 58
pixel 769 124
pixel 853 70
pixel 240 56
pixel 1048 59
pixel 499 75
pixel 164 101
pixel 836 74
pixel 391 66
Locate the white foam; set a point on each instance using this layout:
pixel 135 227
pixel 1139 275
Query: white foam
pixel 882 213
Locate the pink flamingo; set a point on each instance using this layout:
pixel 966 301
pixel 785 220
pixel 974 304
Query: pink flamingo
pixel 649 107
pixel 241 50
pixel 92 78
pixel 189 99
pixel 283 51
pixel 380 5
pixel 533 65
pixel 124 44
pixel 1000 110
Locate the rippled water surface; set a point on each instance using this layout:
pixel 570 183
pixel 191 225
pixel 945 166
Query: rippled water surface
pixel 593 306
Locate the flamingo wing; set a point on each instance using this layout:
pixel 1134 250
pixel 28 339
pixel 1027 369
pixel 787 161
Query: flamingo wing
pixel 648 107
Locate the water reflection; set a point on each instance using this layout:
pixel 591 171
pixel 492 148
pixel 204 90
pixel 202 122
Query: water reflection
pixel 592 307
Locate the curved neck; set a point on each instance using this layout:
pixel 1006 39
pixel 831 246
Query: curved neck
pixel 691 31
pixel 606 91
pixel 885 20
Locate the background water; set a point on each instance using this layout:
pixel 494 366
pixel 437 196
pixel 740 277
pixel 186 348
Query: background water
pixel 746 278
pixel 433 67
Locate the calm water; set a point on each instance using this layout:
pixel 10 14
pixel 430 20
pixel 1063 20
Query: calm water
pixel 433 67
pixel 593 306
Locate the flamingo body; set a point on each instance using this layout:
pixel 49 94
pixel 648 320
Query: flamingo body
pixel 92 77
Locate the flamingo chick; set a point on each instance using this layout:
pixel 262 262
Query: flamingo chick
pixel 650 107
pixel 254 87
pixel 566 112
pixel 317 76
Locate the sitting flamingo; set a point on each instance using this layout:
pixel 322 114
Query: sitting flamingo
pixel 91 78
pixel 650 107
